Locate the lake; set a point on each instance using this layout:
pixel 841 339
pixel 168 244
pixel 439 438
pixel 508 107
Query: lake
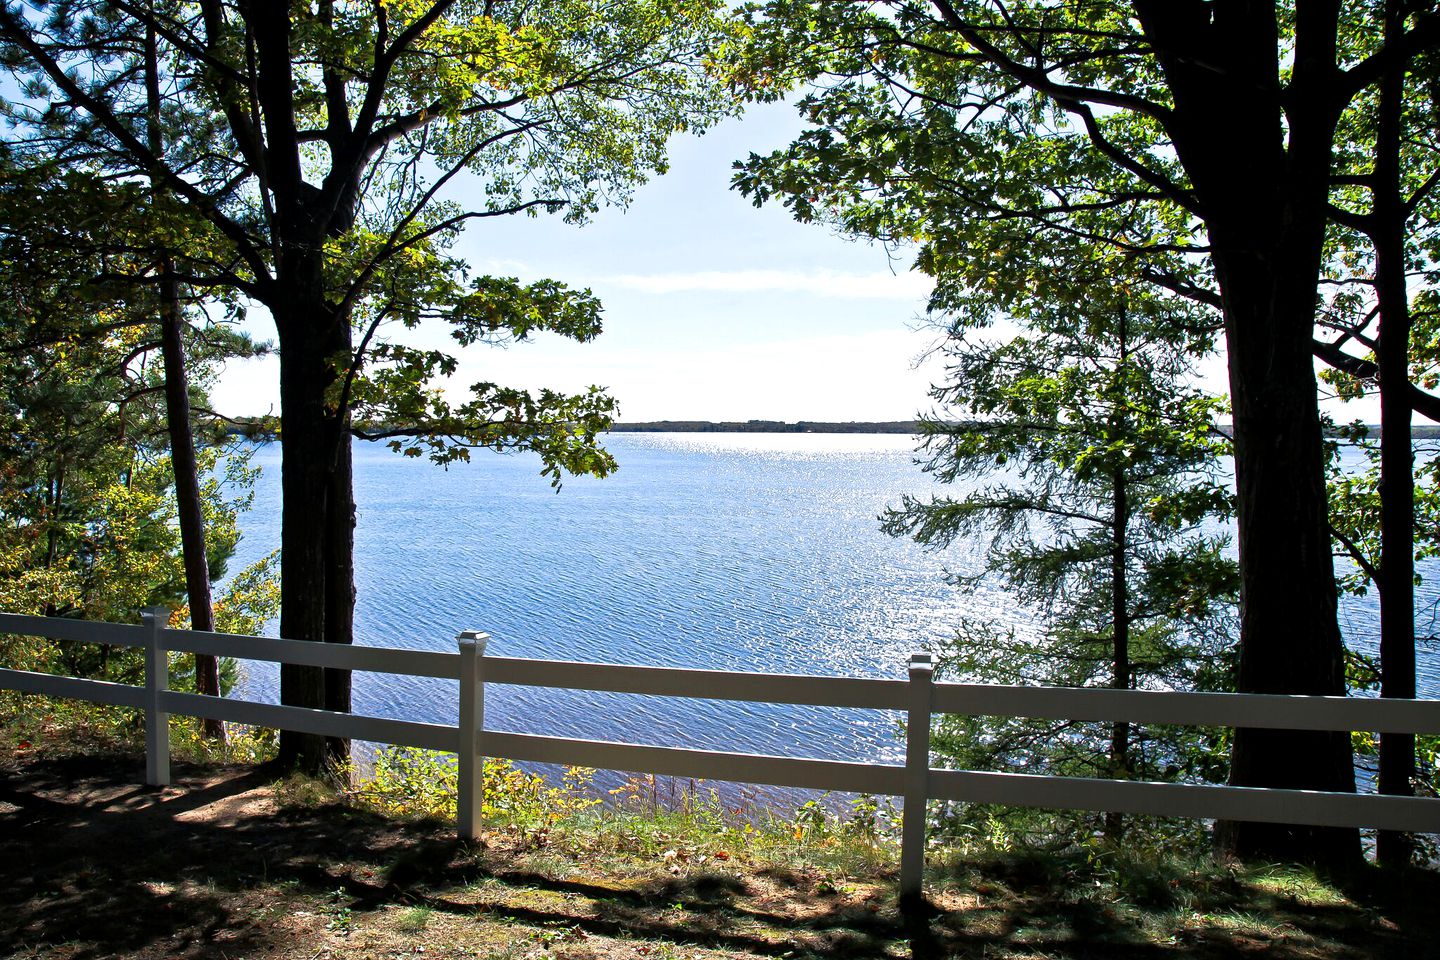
pixel 756 552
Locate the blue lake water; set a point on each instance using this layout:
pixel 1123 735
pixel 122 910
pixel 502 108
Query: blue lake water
pixel 755 552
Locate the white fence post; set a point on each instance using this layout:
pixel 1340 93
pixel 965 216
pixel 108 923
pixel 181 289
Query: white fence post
pixel 157 680
pixel 917 774
pixel 470 771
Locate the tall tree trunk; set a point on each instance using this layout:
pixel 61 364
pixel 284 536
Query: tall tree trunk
pixel 190 513
pixel 1290 641
pixel 1120 637
pixel 1268 240
pixel 317 583
pixel 1119 582
pixel 187 487
pixel 1258 159
pixel 317 599
pixel 1397 478
pixel 340 545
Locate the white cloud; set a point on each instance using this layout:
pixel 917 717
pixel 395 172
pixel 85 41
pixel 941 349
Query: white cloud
pixel 819 283
pixel 248 388
pixel 865 376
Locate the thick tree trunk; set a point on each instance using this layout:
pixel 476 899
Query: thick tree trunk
pixel 1258 159
pixel 1290 642
pixel 1267 235
pixel 191 514
pixel 1397 478
pixel 317 599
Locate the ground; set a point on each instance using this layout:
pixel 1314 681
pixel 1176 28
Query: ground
pixel 228 864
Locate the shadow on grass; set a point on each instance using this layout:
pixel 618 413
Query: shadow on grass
pixel 94 866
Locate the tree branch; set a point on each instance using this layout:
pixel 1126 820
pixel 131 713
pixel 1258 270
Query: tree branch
pixel 1354 553
pixel 1038 79
pixel 143 157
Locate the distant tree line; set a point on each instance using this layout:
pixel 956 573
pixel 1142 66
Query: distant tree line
pixel 264 428
pixel 908 427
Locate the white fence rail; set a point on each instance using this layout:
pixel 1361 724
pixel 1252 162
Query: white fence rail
pixel 918 697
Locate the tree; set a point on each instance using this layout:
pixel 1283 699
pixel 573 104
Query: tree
pixel 1089 466
pixel 87 261
pixel 87 510
pixel 318 141
pixel 1195 137
pixel 189 507
pixel 1384 216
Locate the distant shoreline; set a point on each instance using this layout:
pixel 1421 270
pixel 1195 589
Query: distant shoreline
pixel 263 429
pixel 909 427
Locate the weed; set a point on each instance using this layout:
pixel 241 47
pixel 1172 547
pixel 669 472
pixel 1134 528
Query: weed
pixel 1295 884
pixel 242 743
pixel 300 790
pixel 412 783
pixel 414 919
pixel 338 916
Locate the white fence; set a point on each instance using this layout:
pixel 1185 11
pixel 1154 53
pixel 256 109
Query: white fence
pixel 917 696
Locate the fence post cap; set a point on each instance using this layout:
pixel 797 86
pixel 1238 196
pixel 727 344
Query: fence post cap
pixel 921 663
pixel 475 640
pixel 156 616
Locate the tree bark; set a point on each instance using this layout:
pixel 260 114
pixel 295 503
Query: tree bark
pixel 1396 583
pixel 316 564
pixel 189 510
pixel 1120 638
pixel 1119 583
pixel 1258 159
pixel 340 546
pixel 191 514
pixel 317 601
pixel 1290 641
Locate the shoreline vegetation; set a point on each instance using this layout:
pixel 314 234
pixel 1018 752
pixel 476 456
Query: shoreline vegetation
pixel 266 428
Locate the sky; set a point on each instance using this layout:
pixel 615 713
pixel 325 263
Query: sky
pixel 713 309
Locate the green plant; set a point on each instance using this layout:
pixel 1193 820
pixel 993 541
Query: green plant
pixel 810 822
pixel 407 782
pixel 410 782
pixel 871 820
pixel 242 743
pixel 302 790
pixel 339 918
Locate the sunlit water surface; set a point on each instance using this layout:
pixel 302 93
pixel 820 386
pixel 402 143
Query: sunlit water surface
pixel 753 552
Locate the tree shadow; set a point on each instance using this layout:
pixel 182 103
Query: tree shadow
pixel 94 863
pixel 91 860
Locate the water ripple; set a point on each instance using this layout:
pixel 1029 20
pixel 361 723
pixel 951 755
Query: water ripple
pixel 739 552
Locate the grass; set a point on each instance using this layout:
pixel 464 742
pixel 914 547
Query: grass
pixel 233 861
pixel 414 919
